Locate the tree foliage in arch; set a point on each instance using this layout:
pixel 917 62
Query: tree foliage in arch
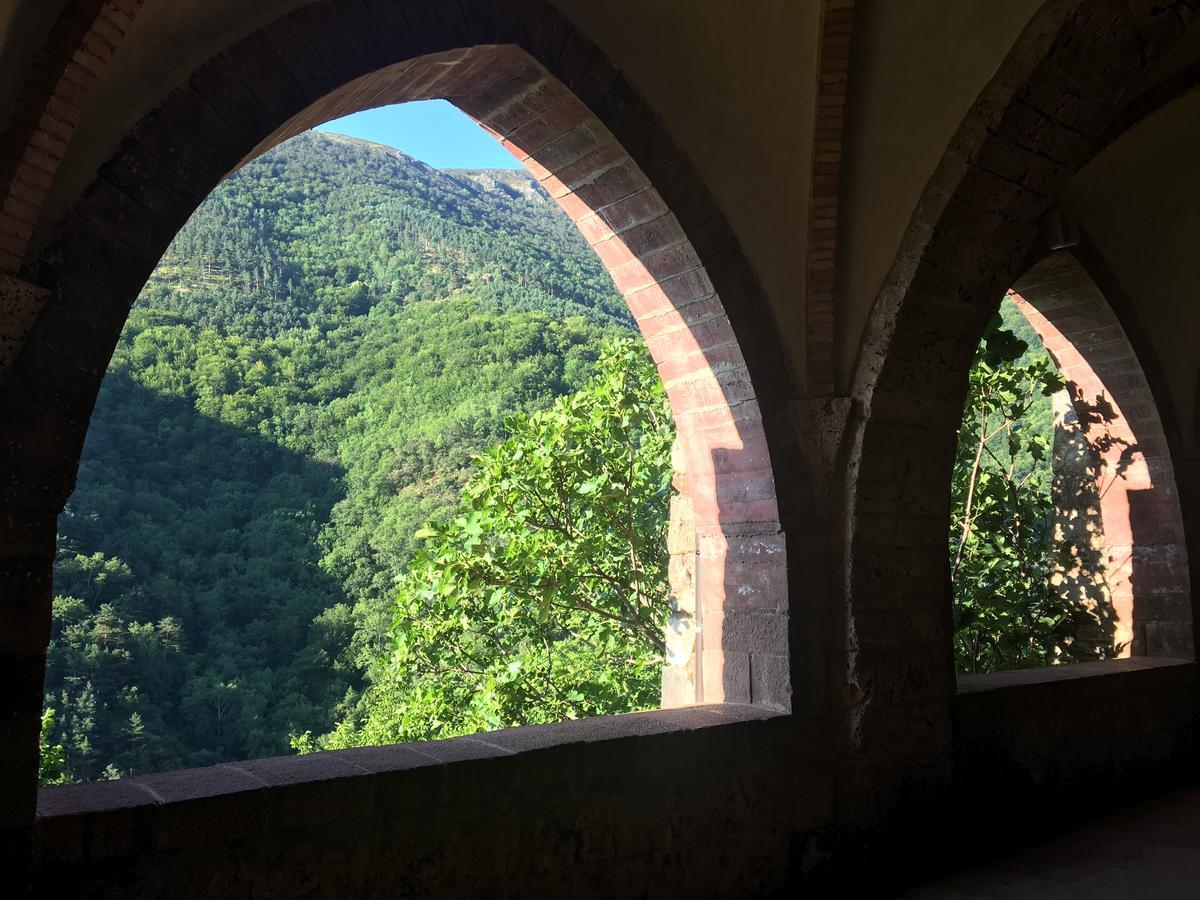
pixel 1008 613
pixel 544 598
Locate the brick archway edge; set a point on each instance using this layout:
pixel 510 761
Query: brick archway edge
pixel 575 122
pixel 974 231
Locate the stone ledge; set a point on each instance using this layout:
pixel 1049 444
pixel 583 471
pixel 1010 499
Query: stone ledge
pixel 61 809
pixel 1182 669
pixel 555 819
pixel 1081 734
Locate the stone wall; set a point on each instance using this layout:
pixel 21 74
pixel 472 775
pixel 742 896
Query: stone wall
pixel 612 807
pixel 1136 542
pixel 706 801
pixel 1039 747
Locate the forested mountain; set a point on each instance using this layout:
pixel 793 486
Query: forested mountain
pixel 326 227
pixel 300 387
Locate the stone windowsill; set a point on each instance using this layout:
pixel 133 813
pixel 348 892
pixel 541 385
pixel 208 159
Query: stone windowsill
pixel 85 820
pixel 1049 675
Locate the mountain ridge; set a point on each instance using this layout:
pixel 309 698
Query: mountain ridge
pixel 425 229
pixel 513 182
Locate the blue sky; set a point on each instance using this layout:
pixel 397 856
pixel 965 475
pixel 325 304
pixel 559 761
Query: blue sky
pixel 433 131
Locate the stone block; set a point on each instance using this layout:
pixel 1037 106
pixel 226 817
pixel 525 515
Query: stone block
pixel 770 680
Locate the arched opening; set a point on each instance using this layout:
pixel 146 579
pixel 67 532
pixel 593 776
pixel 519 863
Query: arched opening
pixel 731 646
pixel 975 230
pixel 1067 540
pixel 1137 527
pixel 292 419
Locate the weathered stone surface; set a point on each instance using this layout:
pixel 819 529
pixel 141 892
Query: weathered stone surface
pixel 20 305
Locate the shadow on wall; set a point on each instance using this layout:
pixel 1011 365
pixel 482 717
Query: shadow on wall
pixel 1081 574
pixel 1143 553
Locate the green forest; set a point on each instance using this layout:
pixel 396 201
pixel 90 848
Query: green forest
pixel 298 398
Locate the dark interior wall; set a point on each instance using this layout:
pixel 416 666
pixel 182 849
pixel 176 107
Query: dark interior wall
pixel 1041 750
pixel 1139 202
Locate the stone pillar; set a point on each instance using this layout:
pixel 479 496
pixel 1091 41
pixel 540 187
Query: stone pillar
pixel 26 569
pixel 679 687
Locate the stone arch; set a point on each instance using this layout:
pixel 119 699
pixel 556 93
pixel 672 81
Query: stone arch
pixel 1143 551
pixel 583 131
pixel 974 231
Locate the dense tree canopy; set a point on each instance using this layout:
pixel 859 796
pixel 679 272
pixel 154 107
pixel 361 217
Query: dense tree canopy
pixel 544 595
pixel 326 227
pixel 301 386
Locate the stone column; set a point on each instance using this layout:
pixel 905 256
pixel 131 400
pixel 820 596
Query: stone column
pixel 26 569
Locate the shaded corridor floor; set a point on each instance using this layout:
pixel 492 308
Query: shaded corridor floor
pixel 1145 851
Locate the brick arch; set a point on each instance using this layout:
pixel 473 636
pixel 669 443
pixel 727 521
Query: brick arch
pixel 581 129
pixel 82 43
pixel 972 234
pixel 1143 547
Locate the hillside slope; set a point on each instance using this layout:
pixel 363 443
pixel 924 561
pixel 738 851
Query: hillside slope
pixel 300 386
pixel 326 226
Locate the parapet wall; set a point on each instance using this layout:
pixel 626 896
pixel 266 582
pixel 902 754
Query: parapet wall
pixel 706 801
pixel 680 803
